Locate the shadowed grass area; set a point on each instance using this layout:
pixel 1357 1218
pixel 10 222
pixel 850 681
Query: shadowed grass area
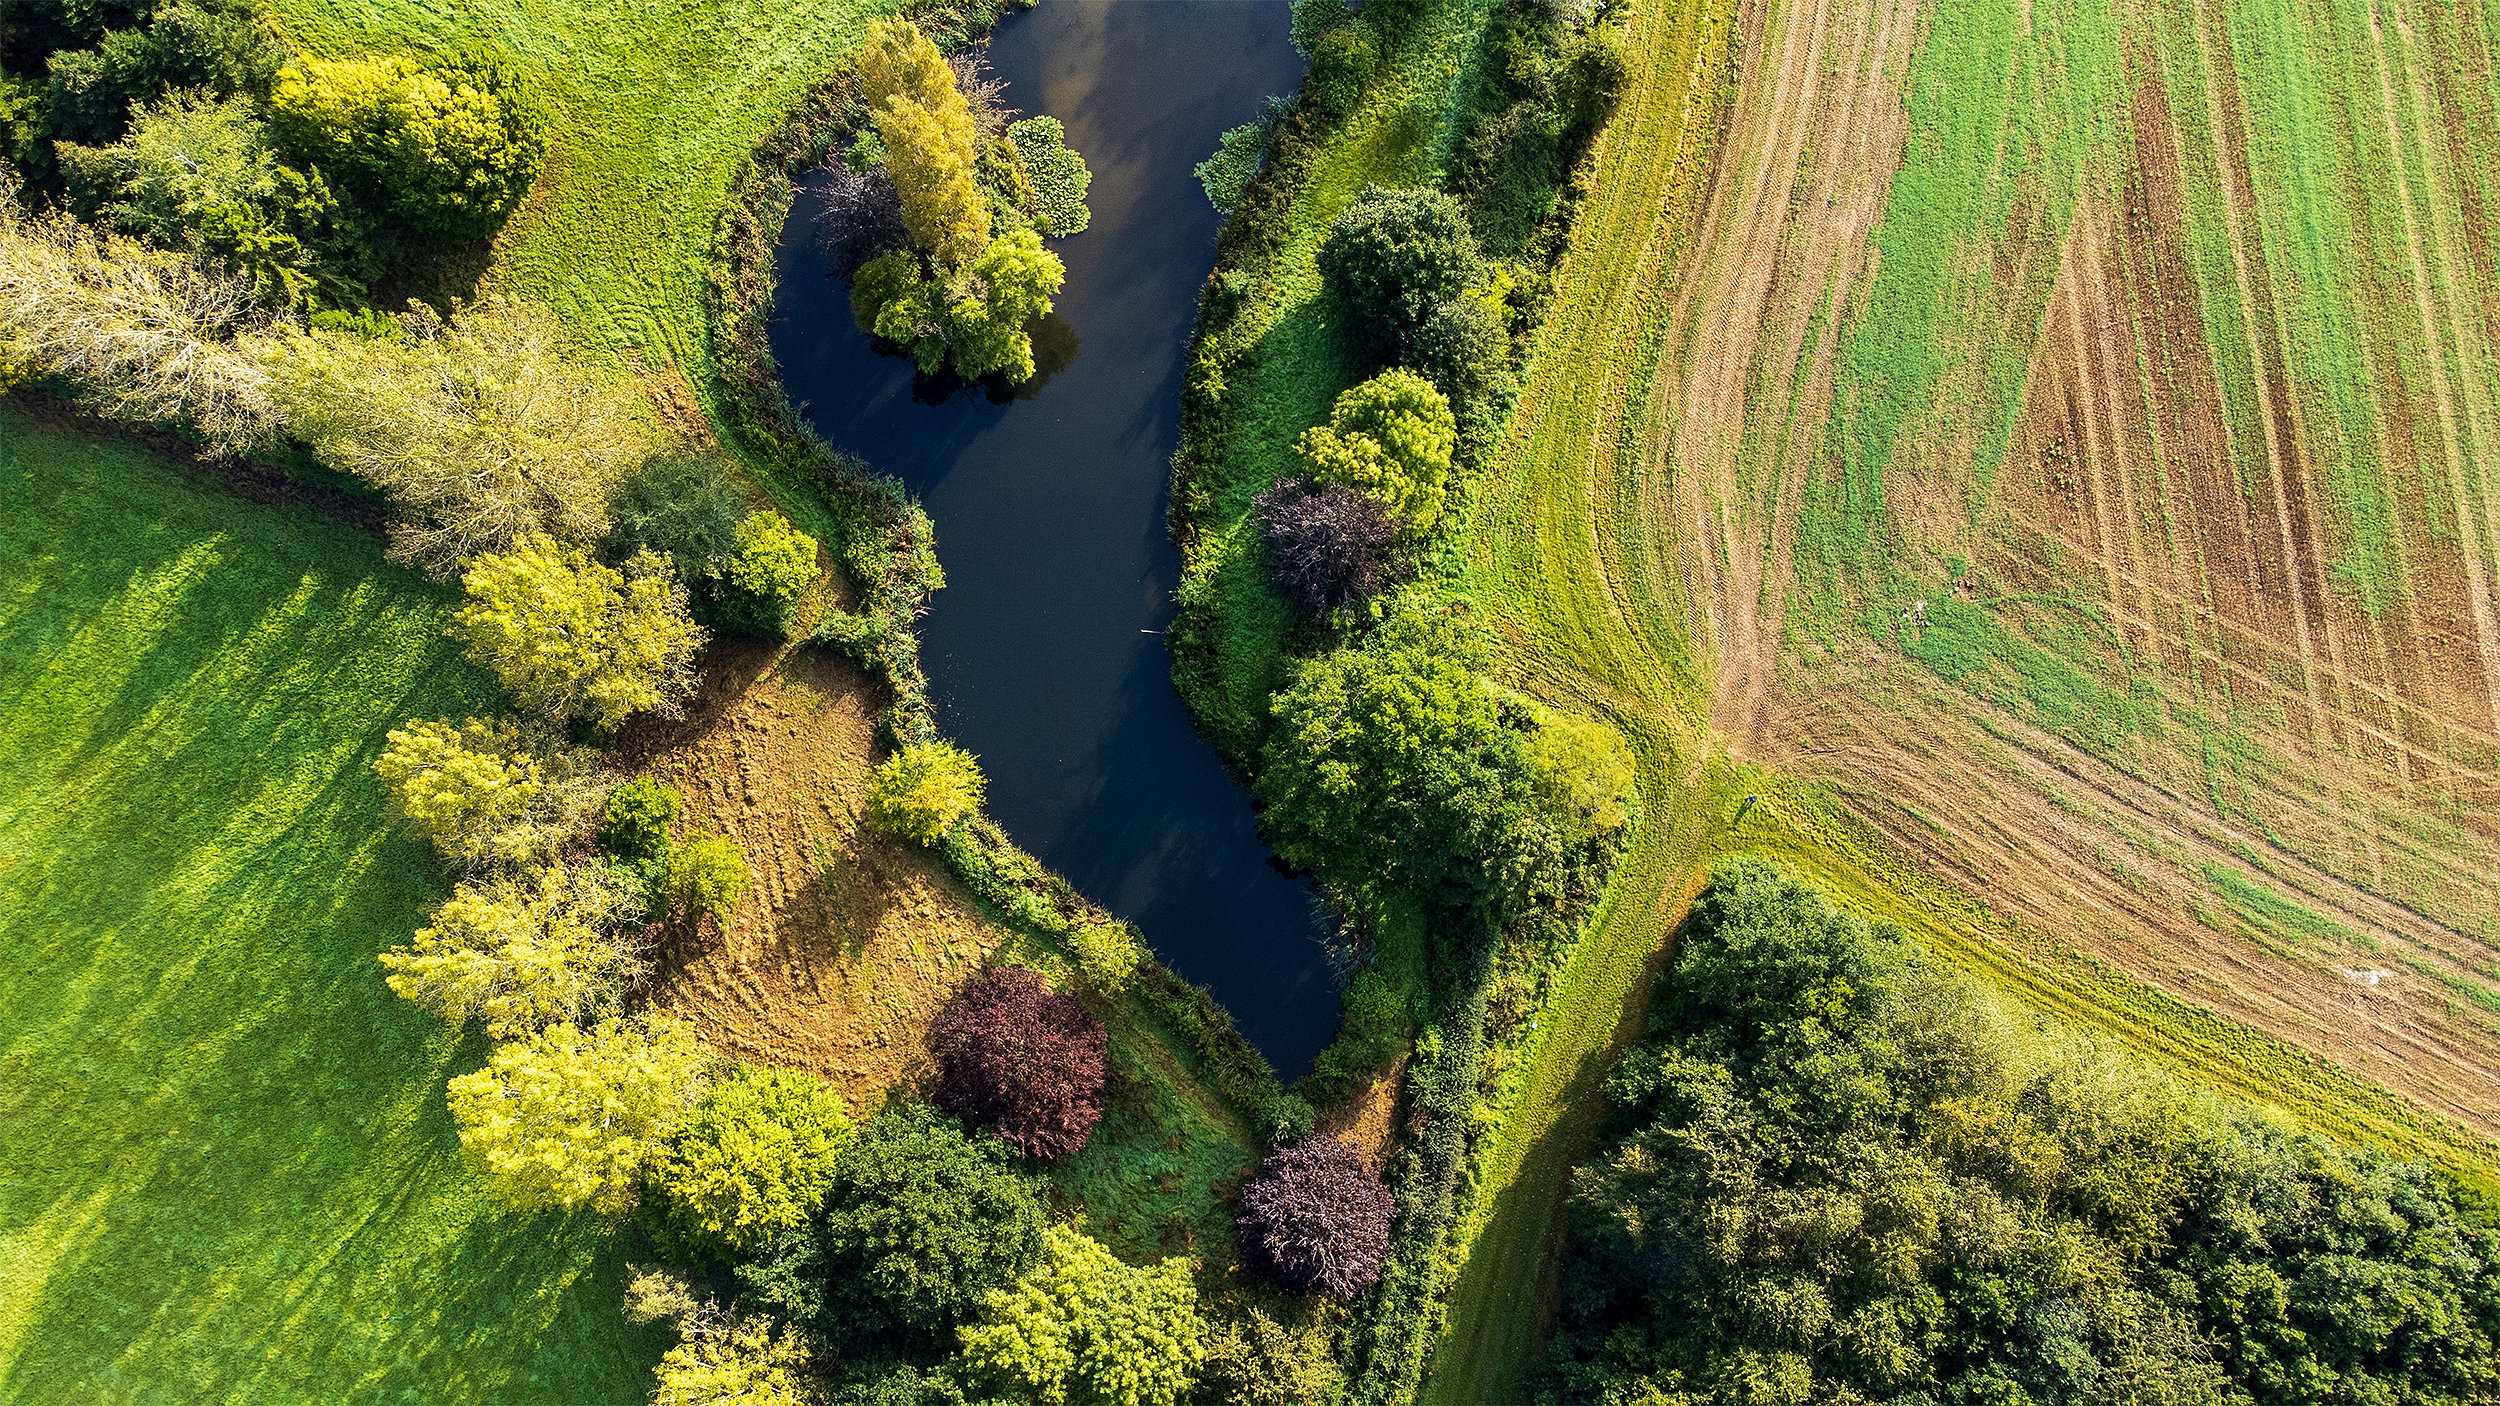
pixel 230 1172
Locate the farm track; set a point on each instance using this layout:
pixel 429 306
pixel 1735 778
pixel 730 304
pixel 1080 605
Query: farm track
pixel 2254 516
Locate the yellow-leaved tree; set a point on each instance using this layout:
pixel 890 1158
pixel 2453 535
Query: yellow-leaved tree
pixel 569 1117
pixel 1390 438
pixel 929 138
pixel 522 956
pixel 460 786
pixel 743 1364
pixel 922 790
pixel 570 637
pixel 1084 1329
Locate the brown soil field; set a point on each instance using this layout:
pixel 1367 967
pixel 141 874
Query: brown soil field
pixel 2299 830
pixel 849 941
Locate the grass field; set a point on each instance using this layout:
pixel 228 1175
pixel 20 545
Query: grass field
pixel 1942 319
pixel 231 1175
pixel 650 107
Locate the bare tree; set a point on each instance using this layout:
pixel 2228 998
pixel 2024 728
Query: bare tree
pixel 141 334
pixel 483 430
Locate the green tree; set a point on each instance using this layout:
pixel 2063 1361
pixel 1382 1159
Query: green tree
pixel 201 176
pixel 922 1222
pixel 978 321
pixel 465 788
pixel 449 149
pixel 707 874
pixel 923 789
pixel 521 956
pixel 1083 1329
pixel 569 1117
pixel 572 638
pixel 745 1363
pixel 1394 762
pixel 1390 438
pixel 770 567
pixel 481 431
pixel 929 138
pixel 751 1161
pixel 1391 259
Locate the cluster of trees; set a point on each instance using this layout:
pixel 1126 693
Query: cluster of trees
pixel 911 1261
pixel 1836 1172
pixel 972 197
pixel 186 126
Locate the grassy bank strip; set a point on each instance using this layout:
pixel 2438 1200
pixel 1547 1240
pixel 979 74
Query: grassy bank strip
pixel 887 547
pixel 1537 552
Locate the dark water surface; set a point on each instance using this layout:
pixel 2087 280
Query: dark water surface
pixel 1042 649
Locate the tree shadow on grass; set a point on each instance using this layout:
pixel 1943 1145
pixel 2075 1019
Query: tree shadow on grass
pixel 232 1173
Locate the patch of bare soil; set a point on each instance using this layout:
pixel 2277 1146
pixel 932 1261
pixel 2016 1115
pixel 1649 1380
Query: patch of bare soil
pixel 1799 186
pixel 850 941
pixel 1369 1121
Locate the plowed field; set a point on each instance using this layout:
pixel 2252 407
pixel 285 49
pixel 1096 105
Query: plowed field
pixel 2044 450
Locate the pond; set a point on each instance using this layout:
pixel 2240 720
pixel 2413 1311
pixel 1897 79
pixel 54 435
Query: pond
pixel 1044 651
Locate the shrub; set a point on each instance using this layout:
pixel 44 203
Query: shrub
pixel 521 956
pixel 1509 171
pixel 25 120
pixel 746 1364
pixel 1464 349
pixel 1083 1328
pixel 1017 1058
pixel 1252 1360
pixel 1228 173
pixel 481 432
pixel 1390 438
pixel 684 504
pixel 707 874
pixel 200 176
pixel 1108 955
pixel 1316 1220
pixel 1327 545
pixel 138 334
pixel 769 570
pixel 448 150
pixel 1058 175
pixel 461 788
pixel 1393 258
pixel 920 1224
pixel 572 638
pixel 1290 1118
pixel 568 1117
pixel 922 790
pixel 1342 65
pixel 1314 19
pixel 929 138
pixel 751 1161
pixel 1583 773
pixel 635 824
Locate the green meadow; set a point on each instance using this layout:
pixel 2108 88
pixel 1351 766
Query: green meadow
pixel 231 1176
